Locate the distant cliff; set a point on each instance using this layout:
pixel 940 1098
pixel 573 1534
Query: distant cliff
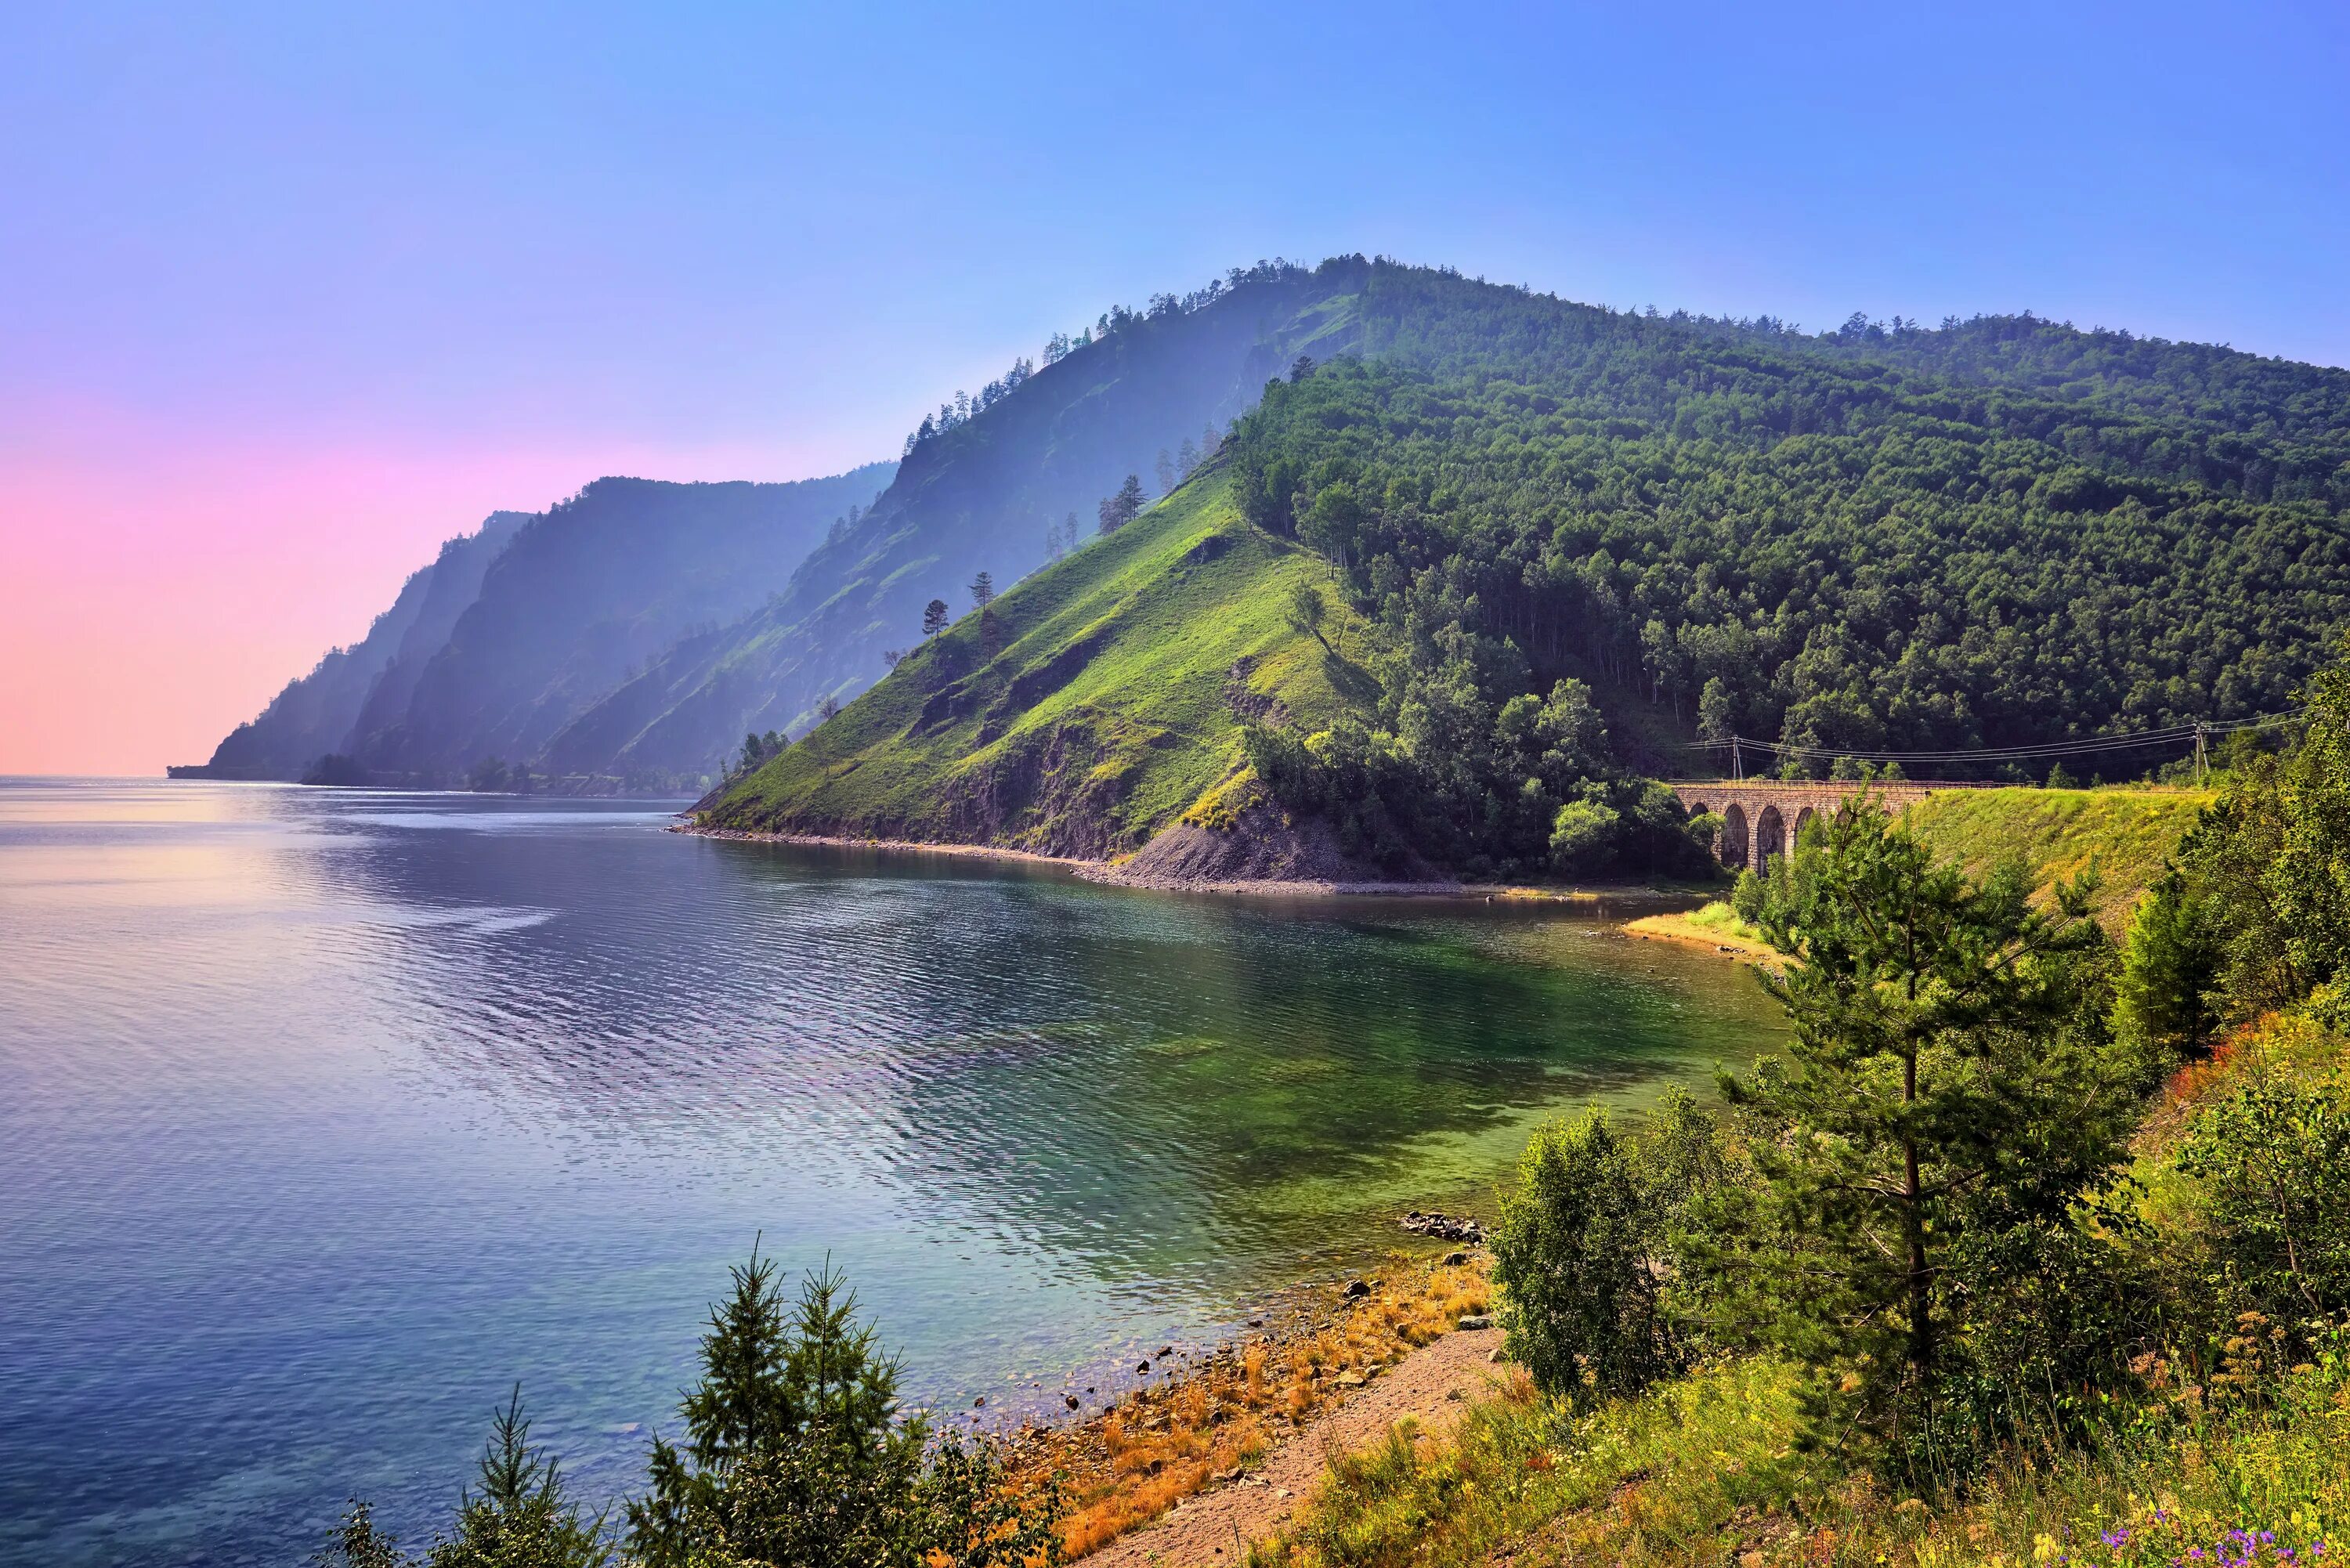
pixel 316 714
pixel 516 629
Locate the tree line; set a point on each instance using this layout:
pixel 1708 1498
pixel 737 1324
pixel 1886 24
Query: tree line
pixel 1720 529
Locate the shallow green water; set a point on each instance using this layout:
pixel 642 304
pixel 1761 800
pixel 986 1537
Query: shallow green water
pixel 334 1111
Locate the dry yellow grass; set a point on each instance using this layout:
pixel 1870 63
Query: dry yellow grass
pixel 1161 1446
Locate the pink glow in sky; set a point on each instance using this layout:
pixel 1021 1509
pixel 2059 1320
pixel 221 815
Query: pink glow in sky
pixel 156 592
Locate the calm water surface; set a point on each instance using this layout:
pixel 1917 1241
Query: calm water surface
pixel 326 1115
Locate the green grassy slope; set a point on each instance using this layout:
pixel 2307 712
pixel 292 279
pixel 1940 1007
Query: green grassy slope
pixel 978 495
pixel 2127 833
pixel 1112 704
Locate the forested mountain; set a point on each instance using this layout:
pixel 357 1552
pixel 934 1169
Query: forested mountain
pixel 1884 537
pixel 997 486
pixel 317 712
pixel 516 629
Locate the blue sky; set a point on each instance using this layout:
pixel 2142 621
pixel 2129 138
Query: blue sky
pixel 281 277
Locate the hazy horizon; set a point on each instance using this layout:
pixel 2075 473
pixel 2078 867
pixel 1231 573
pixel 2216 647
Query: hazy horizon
pixel 305 295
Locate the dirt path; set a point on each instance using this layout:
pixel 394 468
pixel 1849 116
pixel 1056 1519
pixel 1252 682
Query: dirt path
pixel 1212 1527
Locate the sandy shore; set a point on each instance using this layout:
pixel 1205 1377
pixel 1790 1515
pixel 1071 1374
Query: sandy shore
pixel 1680 927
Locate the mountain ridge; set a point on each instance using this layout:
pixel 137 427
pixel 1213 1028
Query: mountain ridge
pixel 515 629
pixel 1579 538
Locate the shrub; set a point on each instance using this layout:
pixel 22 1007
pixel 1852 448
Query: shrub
pixel 1578 1254
pixel 2274 1160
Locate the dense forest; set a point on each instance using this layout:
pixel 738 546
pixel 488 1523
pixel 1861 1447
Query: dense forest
pixel 1880 539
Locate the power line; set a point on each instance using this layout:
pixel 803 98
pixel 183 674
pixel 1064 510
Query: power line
pixel 2142 739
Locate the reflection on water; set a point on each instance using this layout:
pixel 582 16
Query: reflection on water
pixel 330 1113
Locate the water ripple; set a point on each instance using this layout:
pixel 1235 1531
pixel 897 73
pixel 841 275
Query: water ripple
pixel 331 1112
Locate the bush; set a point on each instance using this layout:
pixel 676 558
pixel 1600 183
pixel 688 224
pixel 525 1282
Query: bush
pixel 2274 1160
pixel 1583 1251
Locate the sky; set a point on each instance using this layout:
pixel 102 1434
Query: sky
pixel 289 295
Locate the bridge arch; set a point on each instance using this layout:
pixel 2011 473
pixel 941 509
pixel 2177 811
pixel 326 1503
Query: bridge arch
pixel 1804 819
pixel 1769 837
pixel 1733 835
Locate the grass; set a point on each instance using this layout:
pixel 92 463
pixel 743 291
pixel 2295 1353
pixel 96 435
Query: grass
pixel 1104 700
pixel 2127 833
pixel 1703 1470
pixel 1716 924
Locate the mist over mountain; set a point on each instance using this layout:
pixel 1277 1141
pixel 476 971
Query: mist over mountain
pixel 982 488
pixel 515 630
pixel 316 714
pixel 2000 529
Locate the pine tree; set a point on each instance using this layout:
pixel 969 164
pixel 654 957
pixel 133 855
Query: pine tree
pixel 1118 510
pixel 2170 971
pixel 983 590
pixel 934 617
pixel 1949 1105
pixel 357 1544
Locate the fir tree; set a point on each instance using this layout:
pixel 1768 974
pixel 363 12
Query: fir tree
pixel 521 1516
pixel 796 1450
pixel 1122 508
pixel 357 1544
pixel 2170 970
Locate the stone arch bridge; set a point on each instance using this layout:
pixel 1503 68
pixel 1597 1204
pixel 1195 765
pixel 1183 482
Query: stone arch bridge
pixel 1762 817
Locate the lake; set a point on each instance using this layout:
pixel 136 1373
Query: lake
pixel 327 1115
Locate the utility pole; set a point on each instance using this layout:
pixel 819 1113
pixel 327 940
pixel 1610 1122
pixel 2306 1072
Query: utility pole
pixel 1737 769
pixel 2199 753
